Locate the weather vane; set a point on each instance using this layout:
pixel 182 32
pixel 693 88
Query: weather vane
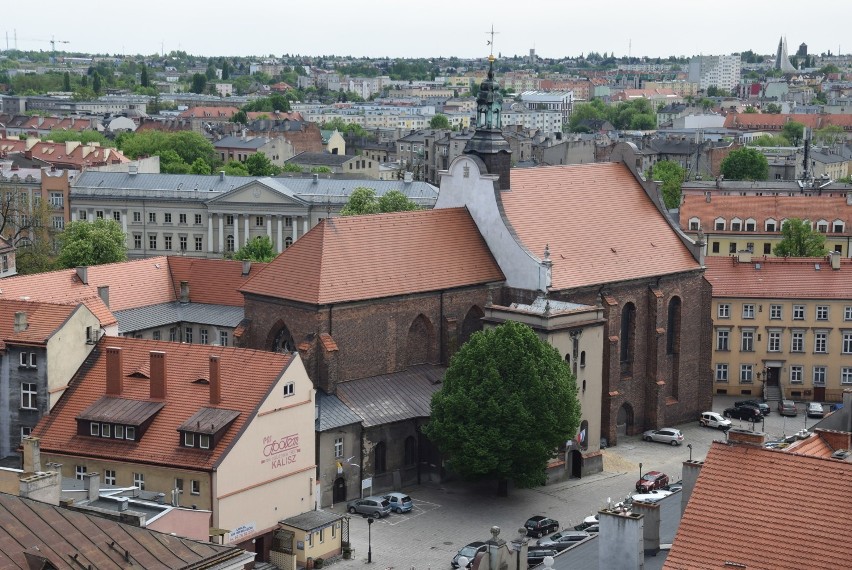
pixel 491 42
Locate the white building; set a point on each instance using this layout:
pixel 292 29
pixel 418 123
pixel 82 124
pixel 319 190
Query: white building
pixel 721 71
pixel 561 101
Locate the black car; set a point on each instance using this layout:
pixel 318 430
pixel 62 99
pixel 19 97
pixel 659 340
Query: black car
pixel 762 406
pixel 562 539
pixel 536 556
pixel 538 526
pixel 470 551
pixel 749 413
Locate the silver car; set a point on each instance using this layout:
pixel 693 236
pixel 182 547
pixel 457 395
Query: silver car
pixel 815 410
pixel 671 436
pixel 371 506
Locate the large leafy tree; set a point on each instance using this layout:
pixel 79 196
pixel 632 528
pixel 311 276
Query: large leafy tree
pixel 363 201
pixel 508 401
pixel 257 249
pixel 439 121
pixel 177 151
pixel 745 164
pixel 793 132
pixel 91 243
pixel 798 239
pixel 396 201
pixel 671 174
pixel 259 164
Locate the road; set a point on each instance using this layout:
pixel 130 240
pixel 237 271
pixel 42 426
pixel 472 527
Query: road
pixel 447 516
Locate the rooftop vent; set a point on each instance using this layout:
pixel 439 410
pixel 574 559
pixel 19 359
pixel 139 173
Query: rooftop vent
pixel 841 454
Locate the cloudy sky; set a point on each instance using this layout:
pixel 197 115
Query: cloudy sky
pixel 376 28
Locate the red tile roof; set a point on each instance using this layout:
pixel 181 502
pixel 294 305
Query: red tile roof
pixel 608 228
pixel 43 319
pixel 368 257
pixel 768 509
pixel 214 281
pixel 779 278
pixel 247 377
pixel 762 208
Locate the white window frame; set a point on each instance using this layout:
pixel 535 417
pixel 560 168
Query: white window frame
pixel 746 374
pixel 223 338
pixel 289 389
pixel 776 311
pixel 721 374
pixel 747 340
pixel 822 312
pixel 847 313
pixel 724 311
pixel 29 396
pixel 79 472
pixel 202 333
pixel 846 375
pixel 118 432
pixel 188 439
pixel 847 342
pixel 130 433
pixel 798 312
pixel 748 310
pixel 195 487
pixel 723 334
pixel 773 341
pixel 820 342
pixel 139 481
pixel 94 429
pixel 204 441
pixel 719 222
pixel 106 430
pixel 109 477
pixel 338 447
pixel 797 341
pixel 796 374
pixel 819 375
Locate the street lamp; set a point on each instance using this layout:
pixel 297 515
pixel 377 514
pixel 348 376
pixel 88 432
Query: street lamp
pixel 369 540
pixel 689 445
pixel 640 470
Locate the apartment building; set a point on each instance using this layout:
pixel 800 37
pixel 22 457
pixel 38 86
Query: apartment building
pixel 722 71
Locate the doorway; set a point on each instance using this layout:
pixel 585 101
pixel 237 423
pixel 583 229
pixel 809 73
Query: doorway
pixel 576 464
pixel 624 420
pixel 338 494
pixel 772 376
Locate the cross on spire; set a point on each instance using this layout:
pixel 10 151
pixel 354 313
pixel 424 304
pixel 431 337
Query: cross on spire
pixel 491 41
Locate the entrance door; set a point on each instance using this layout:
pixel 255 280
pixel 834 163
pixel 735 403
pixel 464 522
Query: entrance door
pixel 339 493
pixel 819 393
pixel 772 376
pixel 576 464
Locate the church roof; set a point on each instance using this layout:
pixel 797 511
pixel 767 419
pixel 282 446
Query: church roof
pixel 600 225
pixel 355 258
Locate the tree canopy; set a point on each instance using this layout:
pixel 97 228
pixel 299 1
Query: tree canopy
pixel 84 137
pixel 798 239
pixel 745 164
pixel 177 151
pixel 259 164
pixel 363 201
pixel 793 132
pixel 257 249
pixel 770 140
pixel 507 402
pixel 91 243
pixel 671 174
pixel 637 114
pixel 439 121
pixel 275 102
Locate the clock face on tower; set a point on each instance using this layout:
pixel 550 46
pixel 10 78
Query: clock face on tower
pixel 256 192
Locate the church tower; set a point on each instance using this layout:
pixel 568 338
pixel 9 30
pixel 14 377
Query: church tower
pixel 487 142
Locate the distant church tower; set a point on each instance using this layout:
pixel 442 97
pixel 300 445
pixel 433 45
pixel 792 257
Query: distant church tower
pixel 782 61
pixel 487 142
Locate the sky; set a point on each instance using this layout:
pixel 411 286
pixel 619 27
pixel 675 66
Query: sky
pixel 431 28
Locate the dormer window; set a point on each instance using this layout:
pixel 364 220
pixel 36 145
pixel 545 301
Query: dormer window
pixel 206 427
pixel 719 224
pixel 736 225
pixel 750 225
pixel 117 418
pixel 694 224
pixel 188 439
pixel 837 226
pixel 771 225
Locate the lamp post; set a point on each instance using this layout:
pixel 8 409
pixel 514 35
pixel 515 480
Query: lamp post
pixel 640 470
pixel 689 445
pixel 369 540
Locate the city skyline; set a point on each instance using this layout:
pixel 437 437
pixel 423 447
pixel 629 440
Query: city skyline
pixel 554 28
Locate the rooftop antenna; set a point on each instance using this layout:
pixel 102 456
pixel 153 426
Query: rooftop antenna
pixel 491 42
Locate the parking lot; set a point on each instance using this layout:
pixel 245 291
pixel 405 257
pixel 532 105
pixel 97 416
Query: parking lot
pixel 448 515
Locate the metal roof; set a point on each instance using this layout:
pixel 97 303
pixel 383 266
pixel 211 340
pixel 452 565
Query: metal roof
pixel 312 520
pixel 163 314
pixel 209 420
pixel 239 142
pixel 111 409
pixel 332 413
pixel 337 191
pixel 323 158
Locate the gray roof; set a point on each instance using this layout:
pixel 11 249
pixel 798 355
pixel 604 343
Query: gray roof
pixel 312 520
pixel 182 182
pixel 332 413
pixel 337 191
pixel 539 305
pixel 393 397
pixel 239 142
pixel 152 316
pixel 321 158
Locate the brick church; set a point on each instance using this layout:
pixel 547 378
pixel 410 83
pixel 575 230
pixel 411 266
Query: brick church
pixel 377 305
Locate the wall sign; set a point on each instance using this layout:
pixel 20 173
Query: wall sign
pixel 280 451
pixel 241 532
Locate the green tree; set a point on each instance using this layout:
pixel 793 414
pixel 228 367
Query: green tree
pixel 143 77
pixel 187 145
pixel 66 82
pixel 240 117
pixel 504 385
pixel 770 140
pixel 320 170
pixel 235 168
pixel 226 70
pixel 396 201
pixel 84 137
pixel 91 243
pixel 291 167
pixel 750 110
pixel 793 132
pixel 199 167
pixel 199 83
pixel 671 175
pixel 439 121
pixel 772 109
pixel 362 201
pixel 799 240
pixel 259 164
pixel 829 136
pixel 745 164
pixel 257 249
pixel 35 258
pixel 96 83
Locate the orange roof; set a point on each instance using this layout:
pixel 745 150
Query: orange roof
pixel 382 255
pixel 609 229
pixel 247 377
pixel 779 278
pixel 214 281
pixel 763 508
pixel 42 320
pixel 762 208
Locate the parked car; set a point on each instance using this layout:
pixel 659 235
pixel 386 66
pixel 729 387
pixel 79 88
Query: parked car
pixel 399 502
pixel 762 406
pixel 815 410
pixel 470 551
pixel 372 506
pixel 665 435
pixel 714 420
pixel 788 408
pixel 536 556
pixel 651 496
pixel 652 480
pixel 749 413
pixel 563 539
pixel 538 526
pixel 588 527
pixel 673 487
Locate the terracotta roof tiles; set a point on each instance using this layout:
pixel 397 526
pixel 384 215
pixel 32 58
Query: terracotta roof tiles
pixel 43 319
pixel 598 221
pixel 779 278
pixel 212 281
pixel 765 509
pixel 246 378
pixel 367 257
pixel 762 208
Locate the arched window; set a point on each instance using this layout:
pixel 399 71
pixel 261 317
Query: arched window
pixel 380 457
pixel 719 224
pixel 229 243
pixel 750 225
pixel 694 224
pixel 410 450
pixel 673 329
pixel 288 241
pixel 583 359
pixel 770 225
pixel 628 329
pixel 583 435
pixel 283 341
pixel 568 360
pixel 736 225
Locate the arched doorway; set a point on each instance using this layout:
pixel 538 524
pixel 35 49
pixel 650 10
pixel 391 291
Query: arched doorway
pixel 338 494
pixel 419 342
pixel 575 464
pixel 283 341
pixel 471 324
pixel 624 420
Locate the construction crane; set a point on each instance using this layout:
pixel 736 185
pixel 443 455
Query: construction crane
pixel 53 41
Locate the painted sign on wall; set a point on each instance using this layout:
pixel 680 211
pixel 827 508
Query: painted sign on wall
pixel 241 532
pixel 280 451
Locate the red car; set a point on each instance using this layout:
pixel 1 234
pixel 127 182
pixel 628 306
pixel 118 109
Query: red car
pixel 652 480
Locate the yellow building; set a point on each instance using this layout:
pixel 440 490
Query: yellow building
pixel 215 428
pixel 782 328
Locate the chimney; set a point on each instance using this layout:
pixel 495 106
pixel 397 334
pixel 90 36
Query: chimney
pixel 158 375
pixel 32 454
pixel 834 257
pixel 161 498
pixel 184 291
pixel 114 371
pixel 83 274
pixel 650 525
pixel 93 485
pixel 103 293
pixel 621 541
pixel 689 475
pixel 744 256
pixel 316 178
pixel 246 267
pixel 122 504
pixel 215 382
pixel 746 437
pixel 132 169
pixel 20 321
pixel 221 175
pixel 707 197
pixel 408 178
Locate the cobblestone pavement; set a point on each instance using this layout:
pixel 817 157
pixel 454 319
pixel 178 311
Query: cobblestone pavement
pixel 448 515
